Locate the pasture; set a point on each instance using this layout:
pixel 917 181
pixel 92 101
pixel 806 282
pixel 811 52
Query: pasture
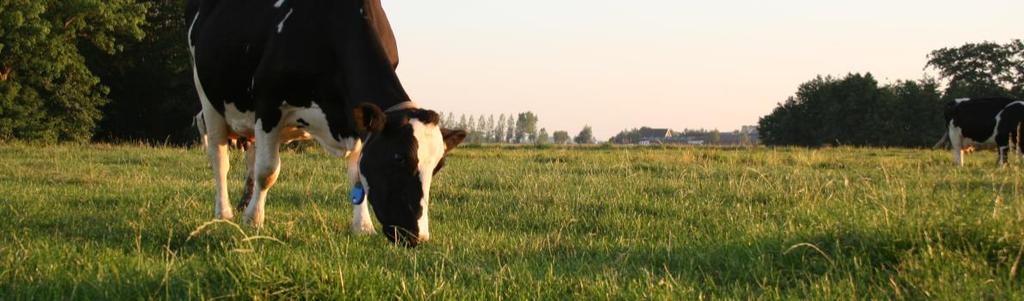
pixel 130 222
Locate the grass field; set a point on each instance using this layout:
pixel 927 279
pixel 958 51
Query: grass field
pixel 114 222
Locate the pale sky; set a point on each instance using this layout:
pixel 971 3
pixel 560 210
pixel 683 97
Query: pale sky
pixel 667 63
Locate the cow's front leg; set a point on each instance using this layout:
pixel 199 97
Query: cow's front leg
pixel 216 141
pixel 361 222
pixel 266 168
pixel 956 141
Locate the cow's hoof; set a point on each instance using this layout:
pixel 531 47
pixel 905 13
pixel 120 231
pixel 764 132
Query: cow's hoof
pixel 225 215
pixel 254 223
pixel 254 220
pixel 363 229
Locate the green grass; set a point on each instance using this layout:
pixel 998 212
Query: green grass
pixel 114 222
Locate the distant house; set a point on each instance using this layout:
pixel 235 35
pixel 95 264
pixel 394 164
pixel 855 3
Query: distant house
pixel 650 136
pixel 747 135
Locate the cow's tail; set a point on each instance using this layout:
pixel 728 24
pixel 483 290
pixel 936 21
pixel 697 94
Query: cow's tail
pixel 944 142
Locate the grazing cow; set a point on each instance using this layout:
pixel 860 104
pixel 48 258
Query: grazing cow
pixel 984 121
pixel 270 71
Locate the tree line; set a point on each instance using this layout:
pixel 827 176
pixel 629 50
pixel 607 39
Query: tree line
pixel 518 128
pixel 856 110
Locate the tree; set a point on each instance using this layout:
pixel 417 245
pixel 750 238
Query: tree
pixel 526 127
pixel 629 136
pixel 745 138
pixel 449 120
pixel 981 69
pixel 489 129
pixel 715 138
pixel 561 137
pixel 152 97
pixel 511 134
pixel 499 130
pixel 543 137
pixel 47 93
pixel 831 111
pixel 586 136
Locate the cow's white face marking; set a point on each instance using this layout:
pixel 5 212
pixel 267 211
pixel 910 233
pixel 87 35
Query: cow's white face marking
pixel 280 26
pixel 279 3
pixel 960 100
pixel 430 151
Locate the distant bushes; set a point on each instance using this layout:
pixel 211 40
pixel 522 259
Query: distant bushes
pixel 855 110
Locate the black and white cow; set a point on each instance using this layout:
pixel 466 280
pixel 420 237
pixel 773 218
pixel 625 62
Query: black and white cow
pixel 984 121
pixel 270 71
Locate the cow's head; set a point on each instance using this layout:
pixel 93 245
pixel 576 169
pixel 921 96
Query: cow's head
pixel 402 152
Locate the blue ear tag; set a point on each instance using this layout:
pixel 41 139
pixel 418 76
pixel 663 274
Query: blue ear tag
pixel 358 194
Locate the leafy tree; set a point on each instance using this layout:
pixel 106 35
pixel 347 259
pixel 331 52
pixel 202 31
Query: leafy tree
pixel 511 134
pixel 561 137
pixel 715 138
pixel 745 138
pixel 152 97
pixel 586 136
pixel 489 129
pixel 449 120
pixel 499 130
pixel 462 122
pixel 526 127
pixel 981 69
pixel 47 93
pixel 855 111
pixel 543 137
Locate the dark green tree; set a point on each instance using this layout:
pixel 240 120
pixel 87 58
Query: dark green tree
pixel 855 111
pixel 152 98
pixel 526 127
pixel 586 136
pixel 561 137
pixel 981 69
pixel 47 93
pixel 543 137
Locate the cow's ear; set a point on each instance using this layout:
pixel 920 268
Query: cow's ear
pixel 452 138
pixel 368 118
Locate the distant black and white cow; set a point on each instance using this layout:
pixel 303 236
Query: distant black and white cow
pixel 984 121
pixel 270 71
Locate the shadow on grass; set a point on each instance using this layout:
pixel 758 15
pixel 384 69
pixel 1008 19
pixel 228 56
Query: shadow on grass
pixel 871 259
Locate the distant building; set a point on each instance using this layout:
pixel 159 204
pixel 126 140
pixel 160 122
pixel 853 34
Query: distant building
pixel 650 136
pixel 746 135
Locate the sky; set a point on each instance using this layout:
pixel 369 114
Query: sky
pixel 674 64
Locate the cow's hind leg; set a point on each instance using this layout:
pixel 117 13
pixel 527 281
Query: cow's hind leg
pixel 217 152
pixel 361 222
pixel 267 166
pixel 250 160
pixel 1004 151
